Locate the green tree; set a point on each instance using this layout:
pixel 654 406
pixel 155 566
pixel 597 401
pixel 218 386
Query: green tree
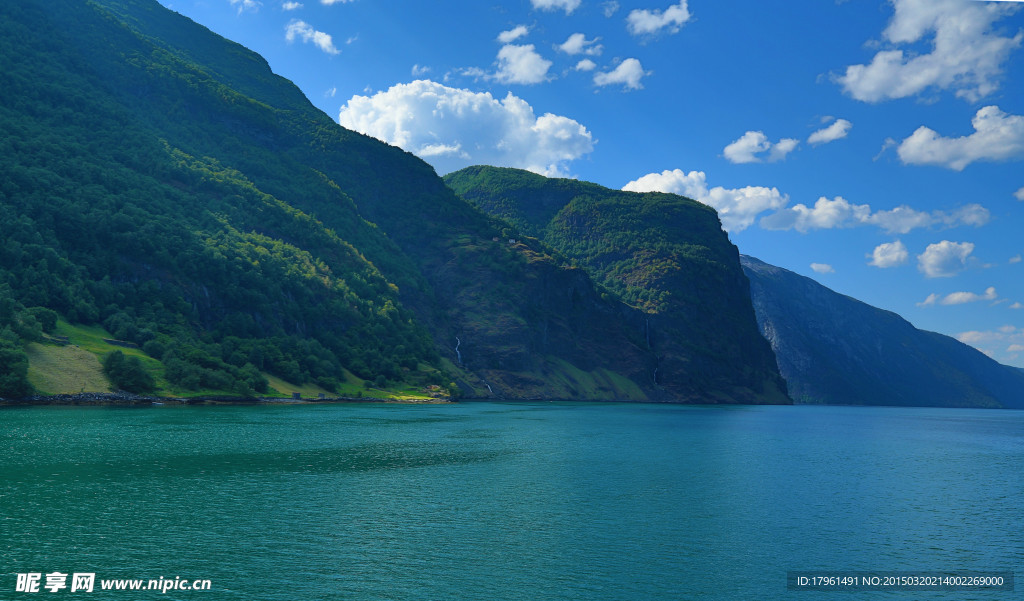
pixel 13 371
pixel 127 373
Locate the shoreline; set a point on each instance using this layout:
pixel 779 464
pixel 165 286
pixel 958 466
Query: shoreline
pixel 100 399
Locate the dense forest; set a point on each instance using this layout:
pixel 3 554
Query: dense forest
pixel 117 211
pixel 162 189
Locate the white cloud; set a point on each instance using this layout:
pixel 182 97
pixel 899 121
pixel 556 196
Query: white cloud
pixel 1007 337
pixel 997 136
pixel 840 213
pixel 1017 306
pixel 330 2
pixel 1019 194
pixel 781 148
pixel 944 259
pixel 836 131
pixel 653 22
pixel 903 219
pixel 822 268
pixel 585 65
pixel 521 64
pixel 825 214
pixel 301 29
pixel 737 208
pixel 740 207
pixel 567 5
pixel 246 5
pixel 418 70
pixel 959 298
pixel 628 73
pixel 610 8
pixel 291 5
pixel 453 128
pixel 751 146
pixel 966 53
pixel 1016 259
pixel 579 44
pixel 889 254
pixel 513 34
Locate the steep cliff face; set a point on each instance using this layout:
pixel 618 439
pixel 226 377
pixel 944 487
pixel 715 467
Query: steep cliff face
pixel 834 349
pixel 666 258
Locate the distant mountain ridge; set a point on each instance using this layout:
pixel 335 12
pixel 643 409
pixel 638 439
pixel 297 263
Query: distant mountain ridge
pixel 833 349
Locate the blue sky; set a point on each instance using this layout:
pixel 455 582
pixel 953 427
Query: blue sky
pixel 874 145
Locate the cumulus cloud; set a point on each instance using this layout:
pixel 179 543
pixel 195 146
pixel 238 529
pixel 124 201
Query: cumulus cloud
pixel 567 5
pixel 521 64
pixel 959 298
pixel 944 259
pixel 453 128
pixel 513 34
pixel 841 213
pixel 291 5
pixel 653 22
pixel 737 207
pixel 1019 194
pixel 997 136
pixel 822 268
pixel 585 65
pixel 966 56
pixel 301 30
pixel 836 131
pixel 579 44
pixel 889 254
pixel 754 147
pixel 610 8
pixel 246 5
pixel 628 73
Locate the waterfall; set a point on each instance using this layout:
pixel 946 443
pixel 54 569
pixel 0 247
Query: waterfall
pixel 457 353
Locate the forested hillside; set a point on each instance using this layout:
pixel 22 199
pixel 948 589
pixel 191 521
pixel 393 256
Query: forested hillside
pixel 142 192
pixel 164 193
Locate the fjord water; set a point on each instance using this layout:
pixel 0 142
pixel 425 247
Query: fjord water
pixel 507 501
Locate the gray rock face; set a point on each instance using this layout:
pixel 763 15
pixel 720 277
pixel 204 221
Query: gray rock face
pixel 833 349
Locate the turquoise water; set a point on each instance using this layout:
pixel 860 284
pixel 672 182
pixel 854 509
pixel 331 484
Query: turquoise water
pixel 506 501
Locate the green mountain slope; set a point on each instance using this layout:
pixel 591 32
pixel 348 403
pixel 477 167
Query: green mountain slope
pixel 834 349
pixel 665 256
pixel 160 182
pixel 149 193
